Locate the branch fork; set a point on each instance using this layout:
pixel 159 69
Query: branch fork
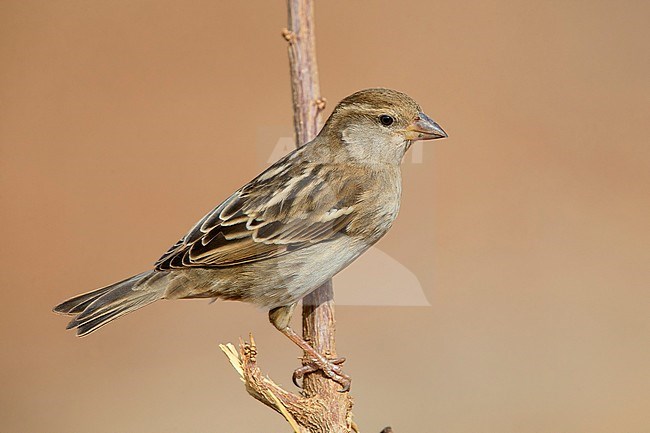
pixel 304 414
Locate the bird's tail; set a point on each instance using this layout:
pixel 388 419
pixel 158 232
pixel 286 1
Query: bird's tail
pixel 95 309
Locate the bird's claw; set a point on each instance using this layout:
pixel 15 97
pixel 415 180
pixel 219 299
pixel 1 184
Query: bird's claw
pixel 330 367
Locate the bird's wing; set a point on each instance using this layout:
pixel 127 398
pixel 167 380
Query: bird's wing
pixel 287 207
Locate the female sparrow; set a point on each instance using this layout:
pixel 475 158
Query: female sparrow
pixel 291 228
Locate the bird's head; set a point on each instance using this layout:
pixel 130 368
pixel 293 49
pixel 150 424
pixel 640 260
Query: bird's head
pixel 378 125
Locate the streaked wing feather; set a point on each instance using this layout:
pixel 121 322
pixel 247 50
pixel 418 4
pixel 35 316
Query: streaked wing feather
pixel 287 207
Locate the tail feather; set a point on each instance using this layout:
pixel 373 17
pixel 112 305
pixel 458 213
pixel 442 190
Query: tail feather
pixel 76 305
pixel 94 322
pixel 95 309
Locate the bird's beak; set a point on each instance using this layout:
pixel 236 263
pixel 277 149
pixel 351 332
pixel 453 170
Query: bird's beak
pixel 424 128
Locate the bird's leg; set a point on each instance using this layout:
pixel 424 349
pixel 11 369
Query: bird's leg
pixel 280 318
pixel 316 361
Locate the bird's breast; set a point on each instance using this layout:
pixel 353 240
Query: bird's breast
pixel 378 206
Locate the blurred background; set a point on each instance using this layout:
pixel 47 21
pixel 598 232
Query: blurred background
pixel 123 122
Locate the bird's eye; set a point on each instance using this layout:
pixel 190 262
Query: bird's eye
pixel 386 120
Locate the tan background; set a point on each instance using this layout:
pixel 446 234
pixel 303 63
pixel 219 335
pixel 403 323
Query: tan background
pixel 122 122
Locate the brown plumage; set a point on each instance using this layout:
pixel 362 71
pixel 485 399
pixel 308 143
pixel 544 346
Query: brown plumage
pixel 291 228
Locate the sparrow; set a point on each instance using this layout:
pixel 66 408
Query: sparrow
pixel 289 230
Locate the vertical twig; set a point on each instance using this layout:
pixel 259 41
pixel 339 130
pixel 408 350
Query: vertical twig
pixel 318 322
pixel 318 308
pixel 305 89
pixel 320 408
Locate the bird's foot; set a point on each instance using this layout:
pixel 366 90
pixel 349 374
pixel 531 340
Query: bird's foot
pixel 330 368
pixel 313 361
